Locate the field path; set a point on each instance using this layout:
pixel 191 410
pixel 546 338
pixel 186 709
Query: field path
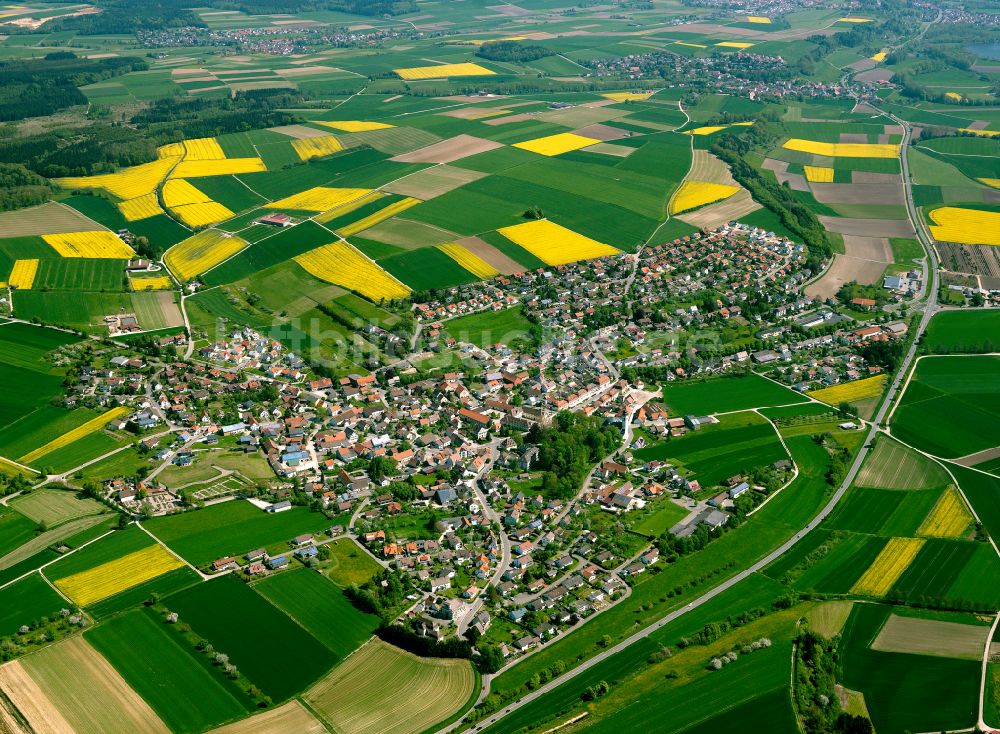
pixel 168 549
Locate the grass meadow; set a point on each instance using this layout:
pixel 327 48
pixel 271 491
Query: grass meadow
pixel 726 394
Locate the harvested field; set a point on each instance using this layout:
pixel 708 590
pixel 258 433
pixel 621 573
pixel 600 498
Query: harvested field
pixel 382 688
pixel 706 167
pixel 299 132
pixel 880 74
pixel 501 262
pixel 432 182
pixel 602 132
pixel 292 717
pixel 854 137
pixel 865 177
pixel 932 637
pixel 519 117
pixel 620 151
pixel 51 218
pixel 408 234
pixel 90 695
pixel 868 228
pixel 796 181
pixel 715 215
pixel 983 260
pixel 582 116
pixel 30 703
pixel 858 193
pixel 446 151
pixel 827 620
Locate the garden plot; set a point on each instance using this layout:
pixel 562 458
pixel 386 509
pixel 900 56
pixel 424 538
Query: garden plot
pixel 932 637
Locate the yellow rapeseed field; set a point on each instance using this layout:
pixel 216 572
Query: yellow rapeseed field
pixel 627 96
pixel 758 19
pixel 316 147
pixel 556 144
pixel 342 265
pixel 225 167
pixel 203 149
pixel 23 274
pixel 381 215
pixel 320 199
pixel 818 174
pixel 888 566
pixel 554 244
pixel 965 226
pixel 191 205
pixel 141 207
pixel 692 45
pixel 118 575
pixel 102 244
pixel 994 182
pixel 982 133
pixel 92 426
pixel 844 150
pixel 848 392
pixel 129 183
pixel 949 519
pixel 693 194
pixel 469 260
pixel 203 251
pixel 443 70
pixel 880 56
pixel 354 126
pixel 705 130
pixel 734 44
pixel 157 283
pixel 855 20
pixel 953 95
pixel 170 150
pixel 178 192
pixel 347 207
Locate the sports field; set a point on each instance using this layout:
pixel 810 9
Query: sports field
pixel 949 407
pixel 382 688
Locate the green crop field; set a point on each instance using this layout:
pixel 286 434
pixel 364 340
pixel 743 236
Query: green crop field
pixel 983 493
pixel 52 506
pixel 31 381
pixel 320 606
pixel 664 515
pixel 85 274
pixel 837 571
pixel 26 602
pixel 164 585
pixel 935 569
pixel 427 268
pixel 726 394
pixel 382 688
pixel 116 545
pixel 951 406
pixel 964 331
pixel 905 691
pixel 283 657
pixel 151 656
pixel 894 466
pixel 15 529
pixel 489 327
pixel 883 512
pixel 231 529
pixel 737 444
pixel 349 564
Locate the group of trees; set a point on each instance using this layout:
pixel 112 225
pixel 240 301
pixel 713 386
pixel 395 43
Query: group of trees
pixel 39 87
pixel 512 51
pixel 815 689
pixel 569 448
pixel 796 217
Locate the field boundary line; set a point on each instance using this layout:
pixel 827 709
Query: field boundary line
pixel 54 560
pixel 795 466
pixel 981 723
pixel 172 552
